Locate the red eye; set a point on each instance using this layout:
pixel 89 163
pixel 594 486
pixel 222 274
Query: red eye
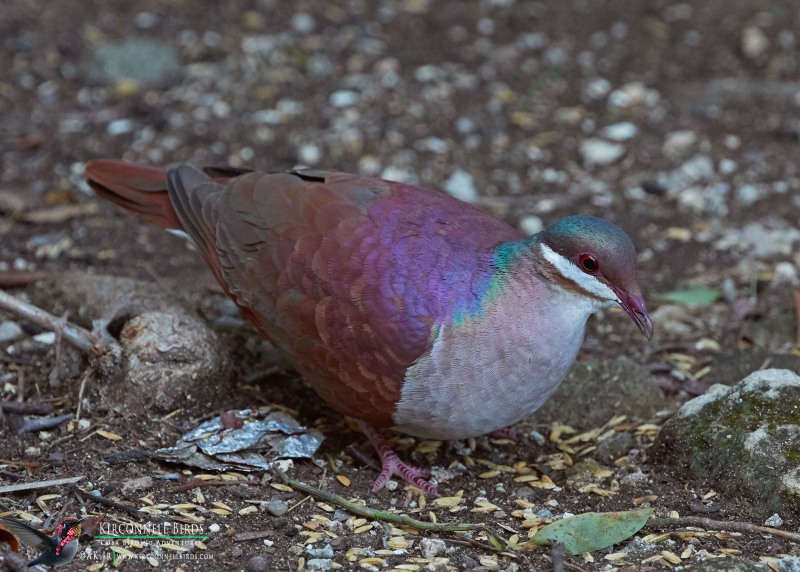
pixel 588 263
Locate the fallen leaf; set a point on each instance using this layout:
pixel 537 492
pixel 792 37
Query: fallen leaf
pixel 593 530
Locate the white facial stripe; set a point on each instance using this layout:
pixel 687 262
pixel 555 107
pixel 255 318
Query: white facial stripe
pixel 571 272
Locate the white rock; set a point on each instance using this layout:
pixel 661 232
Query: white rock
pixel 531 224
pixel 774 521
pixel 343 98
pixel 303 23
pixel 432 547
pixel 461 186
pixel 754 42
pixel 309 154
pixel 622 131
pixel 679 143
pixel 10 331
pixel 599 152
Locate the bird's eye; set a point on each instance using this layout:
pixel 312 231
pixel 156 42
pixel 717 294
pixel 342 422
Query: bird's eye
pixel 588 263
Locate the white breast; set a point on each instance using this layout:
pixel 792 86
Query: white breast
pixel 491 371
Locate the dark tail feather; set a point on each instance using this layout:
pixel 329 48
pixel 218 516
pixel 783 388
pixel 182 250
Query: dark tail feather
pixel 140 189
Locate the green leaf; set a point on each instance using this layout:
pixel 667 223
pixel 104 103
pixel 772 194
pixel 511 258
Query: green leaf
pixel 593 530
pixel 692 297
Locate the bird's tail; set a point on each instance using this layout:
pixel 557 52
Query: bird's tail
pixel 140 189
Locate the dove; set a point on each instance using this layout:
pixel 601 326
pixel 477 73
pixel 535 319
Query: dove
pixel 403 307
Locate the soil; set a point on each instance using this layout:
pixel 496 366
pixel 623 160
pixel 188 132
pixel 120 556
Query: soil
pixel 505 90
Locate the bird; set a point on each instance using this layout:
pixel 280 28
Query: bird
pixel 403 307
pixel 56 550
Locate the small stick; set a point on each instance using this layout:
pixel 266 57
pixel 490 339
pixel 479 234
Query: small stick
pixel 39 485
pixel 44 423
pixel 734 526
pixel 26 408
pixel 198 484
pixel 106 502
pixel 17 278
pixel 77 336
pixel 372 513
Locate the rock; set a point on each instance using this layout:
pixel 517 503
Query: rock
pixel 582 473
pixel 432 547
pixel 754 42
pixel 461 186
pixel 743 440
pixel 622 131
pixel 599 152
pixel 596 391
pixel 258 564
pixel 678 143
pixel 10 331
pixel 141 60
pixel 276 507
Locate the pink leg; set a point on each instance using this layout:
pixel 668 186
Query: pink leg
pixel 393 466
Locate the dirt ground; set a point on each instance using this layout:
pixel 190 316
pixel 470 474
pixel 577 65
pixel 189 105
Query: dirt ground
pixel 515 93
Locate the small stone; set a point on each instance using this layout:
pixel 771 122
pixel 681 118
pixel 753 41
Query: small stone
pixel 214 528
pixel 310 154
pixel 47 338
pixel 319 564
pixel 10 331
pixel 774 521
pixel 461 186
pixel 276 507
pixel 323 552
pixel 531 224
pixel 258 564
pixel 679 143
pixel 600 152
pixel 623 131
pixel 754 42
pixel 303 23
pixel 432 547
pixel 343 98
pixel 748 194
pixel 119 127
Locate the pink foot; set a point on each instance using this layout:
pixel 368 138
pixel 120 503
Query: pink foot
pixel 505 433
pixel 393 466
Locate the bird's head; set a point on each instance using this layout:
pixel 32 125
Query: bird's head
pixel 597 259
pixel 69 528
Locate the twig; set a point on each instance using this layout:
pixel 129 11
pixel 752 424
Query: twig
pixel 372 513
pixel 77 336
pixel 44 423
pixel 734 526
pixel 39 485
pixel 26 408
pixel 17 278
pixel 84 378
pixel 105 502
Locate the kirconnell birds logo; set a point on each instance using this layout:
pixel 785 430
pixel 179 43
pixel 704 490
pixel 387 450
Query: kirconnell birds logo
pixel 112 542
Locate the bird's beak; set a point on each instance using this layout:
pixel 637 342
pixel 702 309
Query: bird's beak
pixel 635 307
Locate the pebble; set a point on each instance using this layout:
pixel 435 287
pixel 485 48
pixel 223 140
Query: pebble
pixel 531 224
pixel 47 338
pixel 679 143
pixel 120 126
pixel 774 521
pixel 303 23
pixel 599 152
pixel 309 154
pixel 432 547
pixel 10 331
pixel 748 194
pixel 214 528
pixel 754 42
pixel 623 131
pixel 276 507
pixel 323 552
pixel 461 185
pixel 344 98
pixel 258 564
